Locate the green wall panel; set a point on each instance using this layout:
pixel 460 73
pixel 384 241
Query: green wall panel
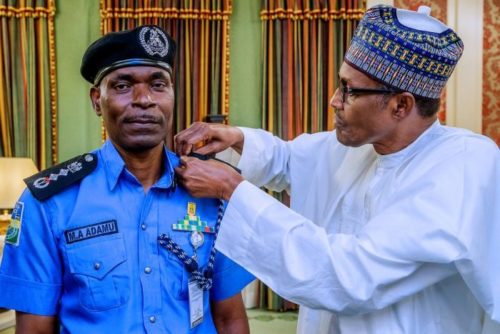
pixel 77 25
pixel 245 64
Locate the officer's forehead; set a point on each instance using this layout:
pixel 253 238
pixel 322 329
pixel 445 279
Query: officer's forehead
pixel 138 72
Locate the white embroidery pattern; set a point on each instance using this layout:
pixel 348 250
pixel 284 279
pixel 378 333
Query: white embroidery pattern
pixel 154 41
pixel 43 182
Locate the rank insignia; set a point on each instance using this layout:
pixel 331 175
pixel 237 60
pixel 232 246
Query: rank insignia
pixel 14 230
pixel 57 178
pixel 192 222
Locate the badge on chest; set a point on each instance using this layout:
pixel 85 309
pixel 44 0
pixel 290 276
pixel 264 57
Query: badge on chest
pixel 200 279
pixel 194 224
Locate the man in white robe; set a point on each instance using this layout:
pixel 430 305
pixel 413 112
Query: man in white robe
pixel 394 225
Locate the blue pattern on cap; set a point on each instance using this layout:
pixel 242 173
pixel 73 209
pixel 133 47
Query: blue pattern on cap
pixel 412 60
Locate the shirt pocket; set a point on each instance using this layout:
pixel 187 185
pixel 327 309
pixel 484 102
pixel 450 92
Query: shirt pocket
pixel 100 275
pixel 178 276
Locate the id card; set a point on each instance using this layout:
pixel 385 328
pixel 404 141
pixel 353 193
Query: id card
pixel 195 304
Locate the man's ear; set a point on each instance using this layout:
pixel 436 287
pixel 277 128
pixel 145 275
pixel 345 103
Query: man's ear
pixel 95 94
pixel 405 103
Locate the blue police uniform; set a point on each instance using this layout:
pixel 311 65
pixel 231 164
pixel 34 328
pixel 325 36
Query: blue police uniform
pixel 90 254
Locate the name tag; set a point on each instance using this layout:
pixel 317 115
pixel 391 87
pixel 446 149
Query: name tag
pixel 91 231
pixel 195 304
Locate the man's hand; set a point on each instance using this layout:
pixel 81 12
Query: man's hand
pixel 208 138
pixel 36 324
pixel 207 178
pixel 230 316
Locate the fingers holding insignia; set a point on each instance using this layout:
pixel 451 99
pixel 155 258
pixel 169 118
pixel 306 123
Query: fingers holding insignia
pixel 192 139
pixel 182 169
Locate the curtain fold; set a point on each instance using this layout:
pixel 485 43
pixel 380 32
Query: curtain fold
pixel 201 31
pixel 28 115
pixel 303 46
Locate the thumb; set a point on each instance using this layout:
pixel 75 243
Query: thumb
pixel 211 147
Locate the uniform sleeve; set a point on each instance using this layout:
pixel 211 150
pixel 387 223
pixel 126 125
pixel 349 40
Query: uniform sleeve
pixel 30 273
pixel 441 221
pixel 266 159
pixel 229 278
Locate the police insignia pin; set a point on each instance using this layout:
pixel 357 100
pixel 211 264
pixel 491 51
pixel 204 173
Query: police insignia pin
pixel 154 41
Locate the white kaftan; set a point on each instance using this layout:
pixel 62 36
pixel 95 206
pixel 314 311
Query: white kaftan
pixel 401 243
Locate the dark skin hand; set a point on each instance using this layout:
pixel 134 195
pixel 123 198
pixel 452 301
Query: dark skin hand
pixel 208 138
pixel 208 178
pixel 230 316
pixel 35 324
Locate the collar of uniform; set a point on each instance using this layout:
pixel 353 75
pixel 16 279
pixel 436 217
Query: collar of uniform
pixel 114 167
pixel 167 180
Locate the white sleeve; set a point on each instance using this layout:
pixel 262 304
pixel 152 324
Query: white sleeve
pixel 301 262
pixel 266 159
pixel 432 229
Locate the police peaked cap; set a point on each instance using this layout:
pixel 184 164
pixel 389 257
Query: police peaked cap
pixel 146 45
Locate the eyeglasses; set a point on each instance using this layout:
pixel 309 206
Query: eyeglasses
pixel 345 90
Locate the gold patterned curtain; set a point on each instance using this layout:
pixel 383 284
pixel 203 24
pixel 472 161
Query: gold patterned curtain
pixel 27 81
pixel 201 31
pixel 304 42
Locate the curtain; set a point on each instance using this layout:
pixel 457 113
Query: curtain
pixel 28 118
pixel 303 46
pixel 201 31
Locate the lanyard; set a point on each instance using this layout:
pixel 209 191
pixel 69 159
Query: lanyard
pixel 203 278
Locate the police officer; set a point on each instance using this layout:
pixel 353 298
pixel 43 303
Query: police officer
pixel 107 242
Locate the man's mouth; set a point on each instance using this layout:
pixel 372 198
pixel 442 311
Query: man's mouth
pixel 339 123
pixel 142 120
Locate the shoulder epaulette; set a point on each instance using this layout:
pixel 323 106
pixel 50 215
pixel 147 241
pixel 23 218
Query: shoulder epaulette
pixel 56 178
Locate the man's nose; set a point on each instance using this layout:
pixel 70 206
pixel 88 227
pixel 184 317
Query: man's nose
pixel 336 101
pixel 143 97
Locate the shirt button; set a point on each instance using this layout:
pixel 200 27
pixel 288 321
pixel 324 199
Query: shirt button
pixel 147 270
pixel 152 319
pixel 97 265
pixel 143 226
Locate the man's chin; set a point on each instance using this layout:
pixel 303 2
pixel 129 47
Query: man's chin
pixel 341 137
pixel 139 146
pixel 345 140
